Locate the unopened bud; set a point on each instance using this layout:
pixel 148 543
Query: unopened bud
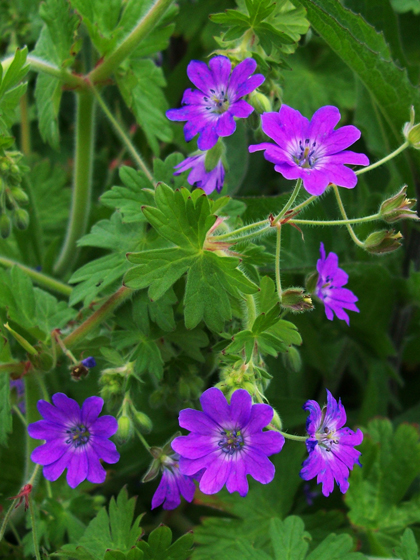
pixel 5 226
pixel 297 300
pixel 153 471
pixel 398 207
pixel 311 282
pixel 19 195
pixel 143 421
pixel 292 359
pixel 384 241
pixel 124 429
pixel 411 131
pixel 21 218
pixel 276 421
pixel 260 102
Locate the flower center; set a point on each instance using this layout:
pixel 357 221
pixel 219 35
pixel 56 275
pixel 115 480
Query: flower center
pixel 326 438
pixel 78 435
pixel 305 157
pixel 231 442
pixel 218 102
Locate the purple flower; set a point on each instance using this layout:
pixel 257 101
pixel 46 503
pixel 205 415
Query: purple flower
pixel 227 441
pixel 75 439
pixel 173 485
pixel 329 287
pixel 199 176
pixel 210 109
pixel 312 151
pixel 89 362
pixel 330 446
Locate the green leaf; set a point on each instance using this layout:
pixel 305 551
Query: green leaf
pixel 141 84
pixel 116 531
pixel 391 461
pixel 11 90
pixel 403 6
pixel 158 546
pixel 288 538
pixel 408 549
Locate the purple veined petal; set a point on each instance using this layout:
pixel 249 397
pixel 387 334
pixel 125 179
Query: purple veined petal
pixel 190 467
pixel 259 466
pixel 341 175
pixel 225 125
pixel 91 409
pixel 186 487
pixel 185 113
pixel 343 297
pixel 196 125
pixel 220 67
pixel 348 157
pixel 240 74
pixel 215 406
pixel 339 140
pixel 269 442
pixel 323 122
pixel 105 449
pixel 240 407
pixel 77 469
pixel 44 429
pixel 322 251
pixel 197 421
pixel 290 172
pixel 313 422
pixel 335 416
pixel 173 496
pixel 67 406
pixel 261 415
pixel 216 474
pixel 237 480
pixel 194 446
pixel 52 414
pixel 340 313
pixel 55 470
pixel 329 313
pixel 187 163
pixel 194 97
pixel 241 109
pixel 328 266
pixel 96 473
pixel 341 278
pixel 160 495
pixel 251 84
pixel 105 426
pixel 348 437
pixel 315 181
pixel 198 173
pixel 201 76
pixel 283 127
pixel 273 153
pixel 207 138
pixel 213 180
pixel 50 452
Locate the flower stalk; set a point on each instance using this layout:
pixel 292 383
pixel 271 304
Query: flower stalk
pixel 277 262
pixel 343 213
pixel 383 160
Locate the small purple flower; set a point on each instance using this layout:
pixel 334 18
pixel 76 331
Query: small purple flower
pixel 173 485
pixel 330 446
pixel 210 109
pixel 75 439
pixel 227 441
pixel 19 387
pixel 89 362
pixel 329 287
pixel 312 151
pixel 199 176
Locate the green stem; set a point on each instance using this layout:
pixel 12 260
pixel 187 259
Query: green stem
pixel 370 218
pixel 79 214
pixel 122 134
pixel 294 438
pixel 39 278
pixel 243 229
pixel 147 23
pixel 277 263
pixel 98 317
pixel 289 203
pixel 20 416
pixel 34 532
pixel 141 438
pixel 383 160
pixel 343 213
pixel 6 518
pixel 305 203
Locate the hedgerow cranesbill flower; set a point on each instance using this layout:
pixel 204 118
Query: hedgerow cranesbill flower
pixel 227 441
pixel 312 151
pixel 76 439
pixel 199 176
pixel 210 109
pixel 329 287
pixel 330 446
pixel 173 485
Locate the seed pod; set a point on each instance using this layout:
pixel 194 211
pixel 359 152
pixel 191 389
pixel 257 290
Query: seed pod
pixel 124 429
pixel 21 218
pixel 5 226
pixel 19 195
pixel 143 421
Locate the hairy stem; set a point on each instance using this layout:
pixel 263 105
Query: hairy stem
pixel 34 531
pixel 383 160
pixel 131 41
pixel 125 138
pixel 370 218
pixel 39 278
pixel 290 202
pixel 142 439
pixel 240 230
pixel 277 263
pixel 79 213
pixel 294 438
pixel 343 213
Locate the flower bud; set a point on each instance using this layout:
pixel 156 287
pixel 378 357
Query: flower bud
pixel 143 421
pixel 398 207
pixel 311 282
pixel 297 300
pixel 19 195
pixel 5 226
pixel 384 241
pixel 411 131
pixel 21 218
pixel 292 359
pixel 153 471
pixel 260 102
pixel 125 429
pixel 276 421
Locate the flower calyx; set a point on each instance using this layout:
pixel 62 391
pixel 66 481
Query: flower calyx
pixel 398 207
pixel 24 494
pixel 296 300
pixel 162 457
pixel 384 241
pixel 212 245
pixel 411 131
